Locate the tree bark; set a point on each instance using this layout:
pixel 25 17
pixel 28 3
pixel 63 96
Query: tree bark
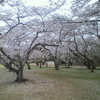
pixel 40 64
pixel 92 66
pixel 69 64
pixel 87 64
pixel 20 77
pixel 46 64
pixel 37 63
pixel 56 62
pixel 28 65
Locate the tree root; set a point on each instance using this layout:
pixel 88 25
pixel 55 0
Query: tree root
pixel 21 81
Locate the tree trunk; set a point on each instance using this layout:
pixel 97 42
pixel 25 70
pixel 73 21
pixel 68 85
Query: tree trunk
pixel 37 63
pixel 87 64
pixel 92 67
pixel 56 62
pixel 28 65
pixel 40 64
pixel 46 64
pixel 20 77
pixel 68 64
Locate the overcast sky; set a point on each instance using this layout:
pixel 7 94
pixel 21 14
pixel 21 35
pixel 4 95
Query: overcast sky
pixel 45 2
pixel 63 9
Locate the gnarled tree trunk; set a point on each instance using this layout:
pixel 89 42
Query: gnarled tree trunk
pixel 20 77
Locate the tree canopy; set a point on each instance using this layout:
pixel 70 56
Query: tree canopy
pixel 41 33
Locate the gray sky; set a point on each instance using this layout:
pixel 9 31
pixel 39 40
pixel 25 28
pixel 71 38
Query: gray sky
pixel 63 10
pixel 45 2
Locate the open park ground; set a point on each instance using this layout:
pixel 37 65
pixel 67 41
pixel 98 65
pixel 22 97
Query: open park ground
pixel 49 84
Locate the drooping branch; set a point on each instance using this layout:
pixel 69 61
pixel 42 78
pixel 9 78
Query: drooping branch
pixel 8 57
pixel 4 53
pixel 87 21
pixel 84 55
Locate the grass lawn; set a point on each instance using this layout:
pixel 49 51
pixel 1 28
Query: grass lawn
pixel 49 84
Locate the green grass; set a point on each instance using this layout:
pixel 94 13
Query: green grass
pixel 49 84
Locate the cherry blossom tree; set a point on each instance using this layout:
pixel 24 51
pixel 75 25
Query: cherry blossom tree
pixel 26 29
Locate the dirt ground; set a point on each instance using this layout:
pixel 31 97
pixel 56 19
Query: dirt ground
pixel 49 84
